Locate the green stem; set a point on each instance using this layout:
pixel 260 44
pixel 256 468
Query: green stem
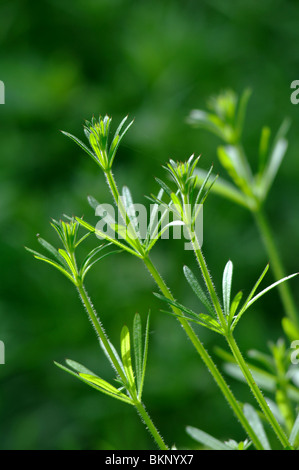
pixel 116 196
pixel 150 425
pixel 256 391
pixel 207 279
pixel 100 331
pixel 191 334
pixel 119 203
pixel 205 357
pixel 276 264
pixel 234 347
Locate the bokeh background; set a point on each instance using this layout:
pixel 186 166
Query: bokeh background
pixel 61 63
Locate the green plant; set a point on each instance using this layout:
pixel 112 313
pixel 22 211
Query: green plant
pixel 225 118
pixel 184 203
pixel 221 317
pixel 130 384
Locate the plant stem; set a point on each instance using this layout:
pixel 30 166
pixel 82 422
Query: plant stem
pixel 116 196
pixel 207 279
pixel 276 264
pixel 100 331
pixel 150 425
pixel 119 203
pixel 205 356
pixel 234 347
pixel 188 329
pixel 256 391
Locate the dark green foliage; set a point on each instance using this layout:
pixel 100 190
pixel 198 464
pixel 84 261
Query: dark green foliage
pixel 157 63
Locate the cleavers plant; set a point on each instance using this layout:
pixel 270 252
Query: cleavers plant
pixel 225 118
pixel 184 202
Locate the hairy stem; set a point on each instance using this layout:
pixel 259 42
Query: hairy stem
pixel 150 425
pixel 276 265
pixel 100 331
pixel 205 357
pixel 234 347
pixel 190 332
pixel 256 391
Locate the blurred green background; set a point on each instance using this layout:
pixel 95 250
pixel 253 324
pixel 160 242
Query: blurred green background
pixel 62 62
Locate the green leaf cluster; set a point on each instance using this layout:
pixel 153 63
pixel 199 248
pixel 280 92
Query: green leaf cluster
pixel 97 132
pixel 64 258
pixel 131 381
pixel 226 120
pixel 230 307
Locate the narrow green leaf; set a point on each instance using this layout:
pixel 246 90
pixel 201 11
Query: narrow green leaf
pixel 117 139
pixel 206 439
pixel 52 250
pixel 203 184
pixel 240 116
pixel 126 234
pixel 100 382
pixel 179 306
pixel 225 189
pixel 204 120
pixel 106 237
pixel 265 380
pixel 256 424
pixel 130 210
pixel 264 359
pixel 234 445
pixel 208 189
pixel 96 260
pixel 290 329
pixel 82 145
pixel 201 318
pixel 269 288
pixel 197 289
pixel 295 431
pixel 154 220
pixel 105 387
pixel 92 202
pixel 137 341
pixel 226 286
pixel 177 204
pixel 67 258
pixel 235 304
pixel 211 324
pixel 164 186
pixel 79 367
pixel 82 239
pixel 145 354
pixel 263 148
pixel 92 254
pixel 52 263
pixel 245 305
pixel 125 345
pixel 231 161
pixel 86 225
pixel 58 228
pixel 91 382
pixel 273 165
pixel 116 355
